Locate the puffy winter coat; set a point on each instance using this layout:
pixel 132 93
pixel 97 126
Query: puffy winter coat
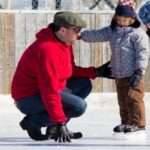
pixel 130 48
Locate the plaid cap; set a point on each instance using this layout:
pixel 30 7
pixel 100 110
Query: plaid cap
pixel 66 18
pixel 144 13
pixel 127 2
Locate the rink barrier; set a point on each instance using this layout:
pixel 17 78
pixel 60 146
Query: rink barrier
pixel 17 31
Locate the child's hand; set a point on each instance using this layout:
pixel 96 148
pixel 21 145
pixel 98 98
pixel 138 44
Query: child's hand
pixel 135 79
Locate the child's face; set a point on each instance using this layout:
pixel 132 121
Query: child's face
pixel 124 21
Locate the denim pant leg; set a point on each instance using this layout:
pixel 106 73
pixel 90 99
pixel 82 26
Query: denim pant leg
pixel 34 110
pixel 73 105
pixel 80 86
pixel 73 99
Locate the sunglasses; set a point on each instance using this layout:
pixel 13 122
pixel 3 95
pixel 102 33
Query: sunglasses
pixel 74 29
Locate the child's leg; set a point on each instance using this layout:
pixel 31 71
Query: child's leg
pixel 122 90
pixel 136 105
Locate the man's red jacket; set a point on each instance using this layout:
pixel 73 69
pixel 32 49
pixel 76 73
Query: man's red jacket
pixel 44 69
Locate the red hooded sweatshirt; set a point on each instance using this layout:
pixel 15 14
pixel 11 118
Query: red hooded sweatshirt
pixel 44 69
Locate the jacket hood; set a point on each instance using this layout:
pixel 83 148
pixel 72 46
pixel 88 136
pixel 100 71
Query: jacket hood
pixel 46 34
pixel 124 29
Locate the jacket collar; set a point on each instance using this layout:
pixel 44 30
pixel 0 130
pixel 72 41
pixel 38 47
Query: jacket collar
pixel 124 29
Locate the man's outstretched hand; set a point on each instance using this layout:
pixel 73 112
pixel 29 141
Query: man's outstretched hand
pixel 104 71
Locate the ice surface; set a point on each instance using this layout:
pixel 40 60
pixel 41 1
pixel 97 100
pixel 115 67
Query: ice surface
pixel 96 124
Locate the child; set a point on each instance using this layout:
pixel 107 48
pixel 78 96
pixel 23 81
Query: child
pixel 129 60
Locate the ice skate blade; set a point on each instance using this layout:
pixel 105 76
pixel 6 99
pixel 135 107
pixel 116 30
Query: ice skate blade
pixel 118 136
pixel 134 136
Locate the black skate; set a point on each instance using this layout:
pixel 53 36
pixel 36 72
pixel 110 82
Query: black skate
pixel 33 132
pixel 133 128
pixel 119 128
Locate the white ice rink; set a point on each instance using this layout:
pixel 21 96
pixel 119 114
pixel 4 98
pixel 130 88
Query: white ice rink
pixel 96 124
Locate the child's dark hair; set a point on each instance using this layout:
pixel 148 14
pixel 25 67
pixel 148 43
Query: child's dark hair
pixel 148 32
pixel 113 24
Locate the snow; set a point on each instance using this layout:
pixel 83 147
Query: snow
pixel 96 124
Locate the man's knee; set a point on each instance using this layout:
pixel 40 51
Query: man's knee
pixel 79 110
pixel 88 84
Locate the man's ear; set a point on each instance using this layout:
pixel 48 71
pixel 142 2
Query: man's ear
pixel 62 29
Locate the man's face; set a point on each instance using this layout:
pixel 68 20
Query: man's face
pixel 70 34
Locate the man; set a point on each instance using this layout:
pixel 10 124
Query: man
pixel 47 85
pixel 144 15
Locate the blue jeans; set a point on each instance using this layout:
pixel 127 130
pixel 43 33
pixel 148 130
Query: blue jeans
pixel 72 98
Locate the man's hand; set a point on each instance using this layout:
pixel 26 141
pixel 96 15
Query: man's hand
pixel 104 71
pixel 62 134
pixel 135 79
